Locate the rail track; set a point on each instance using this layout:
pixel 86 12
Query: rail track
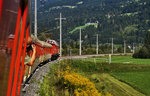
pixel 30 87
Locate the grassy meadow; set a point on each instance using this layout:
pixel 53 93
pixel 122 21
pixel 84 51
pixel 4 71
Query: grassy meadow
pixel 131 71
pixel 120 59
pixel 138 80
pixel 125 76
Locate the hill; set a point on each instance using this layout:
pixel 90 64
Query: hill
pixel 121 19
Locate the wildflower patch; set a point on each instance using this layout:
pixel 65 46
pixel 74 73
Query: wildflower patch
pixel 80 85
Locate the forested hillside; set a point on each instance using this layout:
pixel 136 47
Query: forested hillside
pixel 121 19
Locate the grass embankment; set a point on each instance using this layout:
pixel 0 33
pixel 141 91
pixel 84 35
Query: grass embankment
pixel 97 71
pixel 134 72
pixel 138 80
pixel 65 79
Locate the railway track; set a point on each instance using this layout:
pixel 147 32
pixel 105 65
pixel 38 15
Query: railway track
pixel 31 86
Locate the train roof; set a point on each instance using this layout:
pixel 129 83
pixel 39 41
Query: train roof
pixel 53 42
pixel 11 36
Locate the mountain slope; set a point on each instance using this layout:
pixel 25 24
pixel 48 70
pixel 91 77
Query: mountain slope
pixel 128 19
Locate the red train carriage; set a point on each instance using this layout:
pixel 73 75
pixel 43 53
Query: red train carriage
pixel 14 31
pixel 40 50
pixel 55 48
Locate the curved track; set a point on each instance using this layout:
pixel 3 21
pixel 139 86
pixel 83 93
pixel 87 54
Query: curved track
pixel 32 85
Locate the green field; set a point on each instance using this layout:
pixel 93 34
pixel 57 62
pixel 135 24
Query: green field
pixel 82 27
pixel 120 59
pixel 129 14
pixel 139 80
pixel 114 86
pixel 129 59
pixel 135 72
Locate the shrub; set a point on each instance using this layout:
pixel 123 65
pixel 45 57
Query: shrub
pixel 81 86
pixel 135 55
pixel 63 81
pixel 120 49
pixel 142 53
pixel 89 51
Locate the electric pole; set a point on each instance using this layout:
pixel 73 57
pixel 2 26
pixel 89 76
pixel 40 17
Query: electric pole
pixel 97 44
pixel 112 51
pixel 80 42
pixel 35 19
pixel 133 48
pixel 60 19
pixel 124 47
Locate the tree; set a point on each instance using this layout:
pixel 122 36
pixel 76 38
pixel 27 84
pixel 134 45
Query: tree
pixel 42 36
pixel 147 40
pixel 144 52
pixel 72 44
pixel 120 49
